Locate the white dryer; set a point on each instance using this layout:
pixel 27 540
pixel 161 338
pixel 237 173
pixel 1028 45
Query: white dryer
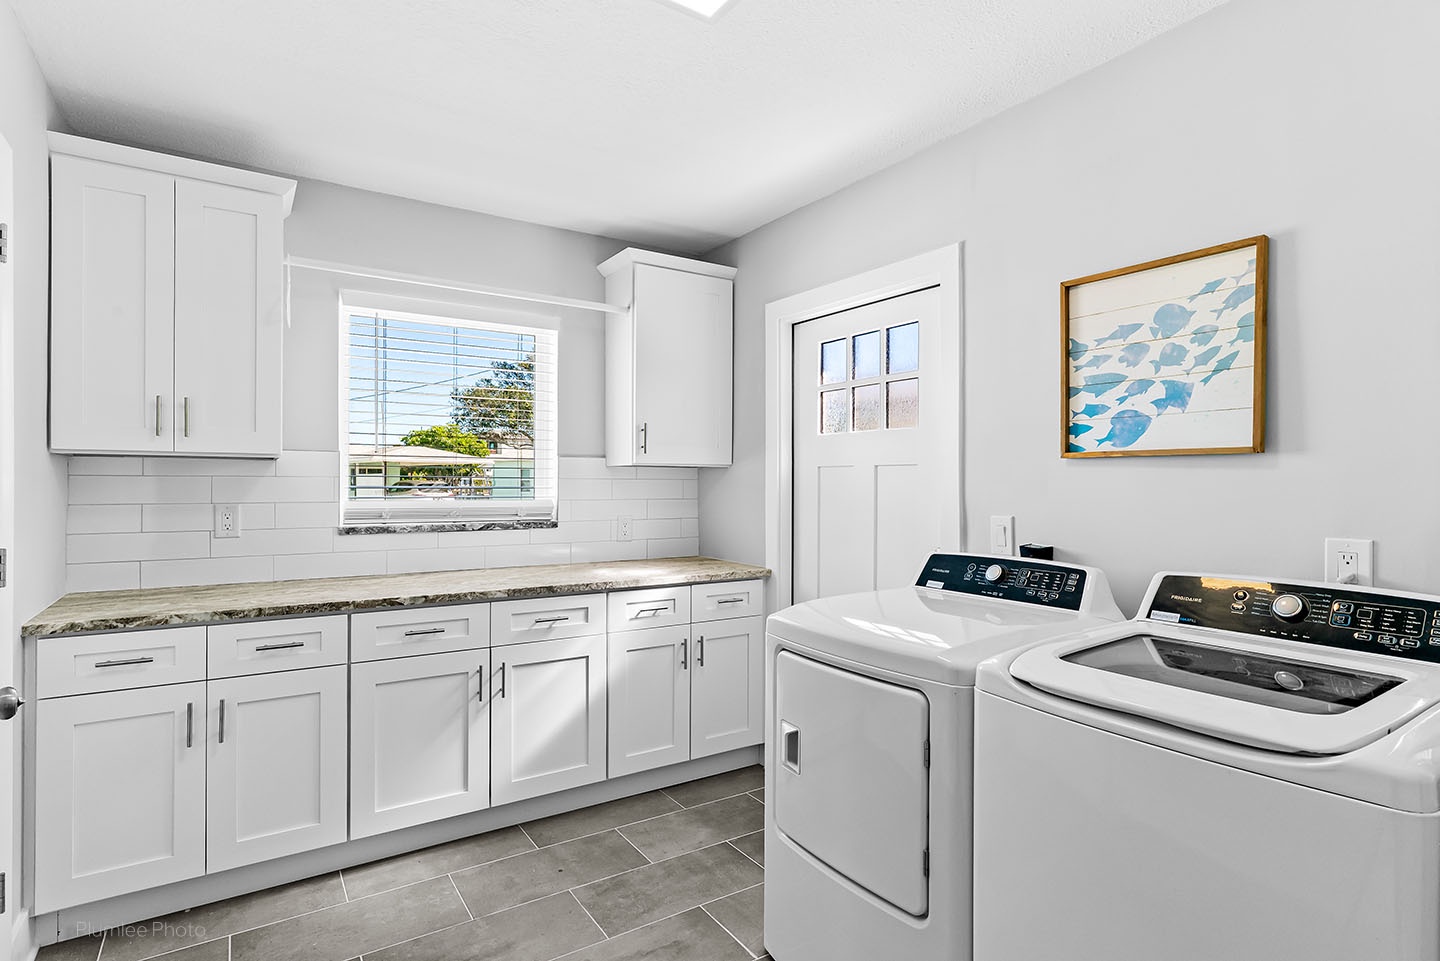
pixel 868 751
pixel 1248 770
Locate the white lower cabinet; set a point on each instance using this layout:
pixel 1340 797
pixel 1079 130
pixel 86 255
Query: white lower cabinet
pixel 727 686
pixel 547 724
pixel 419 740
pixel 120 793
pixel 277 765
pixel 649 699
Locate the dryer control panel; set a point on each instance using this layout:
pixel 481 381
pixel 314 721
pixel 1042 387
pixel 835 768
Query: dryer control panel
pixel 1333 616
pixel 1023 579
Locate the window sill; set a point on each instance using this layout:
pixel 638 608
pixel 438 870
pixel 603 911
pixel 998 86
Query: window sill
pixel 443 528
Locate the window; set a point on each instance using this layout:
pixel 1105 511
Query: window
pixel 448 419
pixel 873 399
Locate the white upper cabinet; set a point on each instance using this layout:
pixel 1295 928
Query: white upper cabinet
pixel 669 361
pixel 166 319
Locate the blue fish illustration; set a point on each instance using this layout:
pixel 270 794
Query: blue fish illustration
pixel 1075 449
pixel 1092 410
pixel 1205 356
pixel 1074 391
pixel 1203 335
pixel 1135 389
pixel 1223 365
pixel 1169 319
pixel 1077 429
pixel 1246 333
pixel 1172 355
pixel 1123 332
pixel 1099 384
pixel 1249 269
pixel 1209 288
pixel 1133 354
pixel 1126 428
pixel 1177 395
pixel 1076 348
pixel 1237 298
pixel 1096 360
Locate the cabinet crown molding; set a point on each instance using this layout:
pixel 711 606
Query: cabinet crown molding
pixel 634 255
pixel 113 153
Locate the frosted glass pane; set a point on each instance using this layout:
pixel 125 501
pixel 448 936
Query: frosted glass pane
pixel 834 411
pixel 902 348
pixel 832 362
pixel 903 403
pixel 867 355
pixel 869 408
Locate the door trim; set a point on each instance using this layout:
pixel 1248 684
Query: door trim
pixel 937 268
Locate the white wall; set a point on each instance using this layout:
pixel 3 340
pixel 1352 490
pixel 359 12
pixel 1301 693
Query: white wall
pixel 1316 123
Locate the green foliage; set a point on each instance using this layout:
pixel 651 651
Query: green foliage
pixel 464 480
pixel 447 437
pixel 501 405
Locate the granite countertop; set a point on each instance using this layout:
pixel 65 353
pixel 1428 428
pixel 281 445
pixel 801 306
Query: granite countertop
pixel 170 606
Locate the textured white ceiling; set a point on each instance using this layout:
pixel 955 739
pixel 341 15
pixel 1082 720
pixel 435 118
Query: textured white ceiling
pixel 627 118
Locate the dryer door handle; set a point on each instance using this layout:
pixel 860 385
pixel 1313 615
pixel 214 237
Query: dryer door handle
pixel 790 746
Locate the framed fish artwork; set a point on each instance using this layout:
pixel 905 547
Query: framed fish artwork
pixel 1166 357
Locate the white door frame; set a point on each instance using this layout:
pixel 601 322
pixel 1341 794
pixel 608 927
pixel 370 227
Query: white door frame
pixel 14 936
pixel 940 268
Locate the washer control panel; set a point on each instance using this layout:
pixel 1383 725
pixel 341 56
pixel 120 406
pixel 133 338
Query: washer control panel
pixel 1336 615
pixel 1042 583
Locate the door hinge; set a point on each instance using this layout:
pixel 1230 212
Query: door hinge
pixel 927 754
pixel 4 243
pixel 4 571
pixel 927 862
pixel 2 892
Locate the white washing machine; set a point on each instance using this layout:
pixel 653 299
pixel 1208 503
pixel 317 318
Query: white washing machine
pixel 868 753
pixel 1248 770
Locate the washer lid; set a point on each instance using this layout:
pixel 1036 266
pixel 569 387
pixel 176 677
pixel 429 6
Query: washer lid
pixel 1261 695
pixel 930 634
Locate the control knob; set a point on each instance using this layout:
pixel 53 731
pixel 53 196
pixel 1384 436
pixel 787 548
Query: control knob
pixel 995 573
pixel 1290 607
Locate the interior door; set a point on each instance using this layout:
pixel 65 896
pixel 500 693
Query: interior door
pixel 228 320
pixel 867 452
pixel 10 739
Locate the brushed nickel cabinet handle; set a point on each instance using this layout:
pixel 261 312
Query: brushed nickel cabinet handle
pixel 685 654
pixel 421 632
pixel 552 620
pixel 157 415
pixel 700 652
pixel 125 662
pixel 480 683
pixel 644 438
pixel 190 724
pixel 280 646
pixel 187 416
pixel 502 680
pixel 731 600
pixel 222 720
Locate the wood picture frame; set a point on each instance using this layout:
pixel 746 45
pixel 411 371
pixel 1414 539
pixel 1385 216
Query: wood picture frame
pixel 1167 357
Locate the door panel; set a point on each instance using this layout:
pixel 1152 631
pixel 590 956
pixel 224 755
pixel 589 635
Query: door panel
pixel 420 749
pixel 228 320
pixel 548 724
pixel 112 311
pixel 277 782
pixel 727 686
pixel 851 783
pixel 649 696
pixel 868 449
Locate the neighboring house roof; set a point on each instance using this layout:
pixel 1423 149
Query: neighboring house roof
pixel 412 456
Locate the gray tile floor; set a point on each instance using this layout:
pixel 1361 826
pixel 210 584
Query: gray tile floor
pixel 673 875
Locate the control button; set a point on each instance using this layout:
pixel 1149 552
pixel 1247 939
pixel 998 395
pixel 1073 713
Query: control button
pixel 1029 593
pixel 1341 620
pixel 995 573
pixel 1390 640
pixel 1409 642
pixel 1363 635
pixel 1242 595
pixel 1290 607
pixel 1237 608
pixel 1288 681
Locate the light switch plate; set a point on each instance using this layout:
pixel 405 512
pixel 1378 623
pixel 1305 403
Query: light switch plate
pixel 1002 534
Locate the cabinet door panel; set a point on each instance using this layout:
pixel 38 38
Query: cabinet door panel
pixel 684 332
pixel 277 780
pixel 112 308
pixel 649 698
pixel 728 686
pixel 228 320
pixel 420 746
pixel 548 725
pixel 119 792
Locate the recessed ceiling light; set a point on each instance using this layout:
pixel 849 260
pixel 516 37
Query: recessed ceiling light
pixel 705 8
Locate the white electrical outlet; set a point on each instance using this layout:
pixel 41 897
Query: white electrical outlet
pixel 1002 534
pixel 227 520
pixel 625 529
pixel 1349 560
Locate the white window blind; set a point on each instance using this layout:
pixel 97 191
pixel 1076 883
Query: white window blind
pixel 448 420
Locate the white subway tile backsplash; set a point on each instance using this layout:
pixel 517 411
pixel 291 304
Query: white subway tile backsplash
pixel 93 548
pixel 103 519
pixel 147 522
pixel 117 576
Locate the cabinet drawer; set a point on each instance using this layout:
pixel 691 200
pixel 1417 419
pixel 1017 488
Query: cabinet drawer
pixel 428 630
pixel 288 645
pixel 714 602
pixel 116 662
pixel 655 607
pixel 545 618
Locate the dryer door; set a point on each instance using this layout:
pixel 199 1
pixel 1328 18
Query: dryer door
pixel 851 784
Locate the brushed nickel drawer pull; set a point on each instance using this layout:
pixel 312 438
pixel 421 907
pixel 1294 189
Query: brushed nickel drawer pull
pixel 731 600
pixel 480 683
pixel 125 662
pixel 190 724
pixel 651 611
pixel 420 632
pixel 552 620
pixel 222 720
pixel 685 654
pixel 700 652
pixel 187 416
pixel 157 415
pixel 502 679
pixel 280 646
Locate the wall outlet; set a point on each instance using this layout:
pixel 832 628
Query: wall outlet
pixel 1002 534
pixel 227 520
pixel 625 529
pixel 1349 560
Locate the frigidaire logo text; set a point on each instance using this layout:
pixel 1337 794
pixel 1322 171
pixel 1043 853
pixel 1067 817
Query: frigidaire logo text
pixel 1182 597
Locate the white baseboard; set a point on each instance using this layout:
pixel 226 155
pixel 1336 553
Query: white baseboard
pixel 23 945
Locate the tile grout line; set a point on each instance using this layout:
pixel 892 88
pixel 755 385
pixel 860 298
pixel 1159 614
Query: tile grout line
pixel 633 845
pixel 571 892
pixel 731 842
pixel 344 888
pixel 463 903
pixel 527 837
pixel 722 927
